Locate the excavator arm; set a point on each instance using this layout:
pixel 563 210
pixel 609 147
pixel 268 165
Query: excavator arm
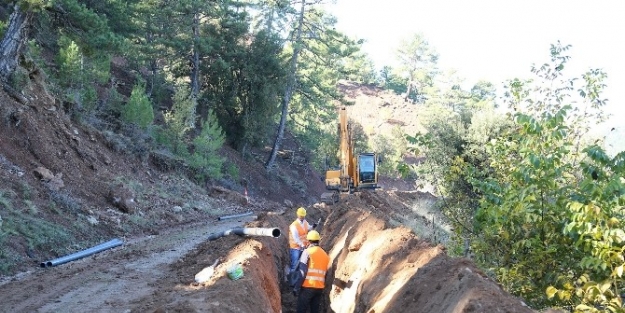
pixel 353 173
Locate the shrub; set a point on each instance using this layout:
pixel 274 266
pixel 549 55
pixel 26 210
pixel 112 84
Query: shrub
pixel 205 158
pixel 138 110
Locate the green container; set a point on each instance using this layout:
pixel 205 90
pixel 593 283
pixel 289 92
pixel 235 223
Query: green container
pixel 235 271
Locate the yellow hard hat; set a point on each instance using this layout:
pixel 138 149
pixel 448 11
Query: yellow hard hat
pixel 301 212
pixel 313 235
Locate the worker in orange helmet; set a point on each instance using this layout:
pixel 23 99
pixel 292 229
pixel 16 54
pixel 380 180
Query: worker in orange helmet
pixel 297 237
pixel 310 276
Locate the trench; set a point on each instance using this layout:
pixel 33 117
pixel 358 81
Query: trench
pixel 376 267
pixel 371 262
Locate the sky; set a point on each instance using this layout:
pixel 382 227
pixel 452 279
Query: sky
pixel 497 40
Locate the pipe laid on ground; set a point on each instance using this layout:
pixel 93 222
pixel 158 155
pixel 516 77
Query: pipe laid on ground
pixel 81 254
pixel 268 232
pixel 234 216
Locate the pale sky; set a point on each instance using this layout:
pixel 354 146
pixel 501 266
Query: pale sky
pixel 497 40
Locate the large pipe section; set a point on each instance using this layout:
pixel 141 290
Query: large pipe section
pixel 221 218
pixel 81 254
pixel 268 232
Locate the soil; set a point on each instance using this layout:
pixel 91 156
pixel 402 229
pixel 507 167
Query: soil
pixel 97 188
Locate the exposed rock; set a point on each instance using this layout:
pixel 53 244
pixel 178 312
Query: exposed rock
pixel 227 194
pixel 54 182
pixel 43 174
pixel 122 198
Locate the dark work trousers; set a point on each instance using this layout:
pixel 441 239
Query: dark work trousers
pixel 309 298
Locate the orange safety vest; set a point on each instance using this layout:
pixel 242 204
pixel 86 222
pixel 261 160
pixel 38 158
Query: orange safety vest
pixel 302 231
pixel 318 264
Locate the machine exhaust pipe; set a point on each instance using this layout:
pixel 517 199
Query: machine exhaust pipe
pixel 241 231
pixel 81 254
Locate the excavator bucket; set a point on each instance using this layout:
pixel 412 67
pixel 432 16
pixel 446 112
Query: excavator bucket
pixel 330 197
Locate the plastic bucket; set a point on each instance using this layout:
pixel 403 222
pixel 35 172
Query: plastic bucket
pixel 235 271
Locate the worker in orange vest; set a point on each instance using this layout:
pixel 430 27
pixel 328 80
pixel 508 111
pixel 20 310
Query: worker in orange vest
pixel 310 276
pixel 297 237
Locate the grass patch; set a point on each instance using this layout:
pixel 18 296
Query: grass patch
pixel 7 259
pixel 31 207
pixel 25 190
pixel 5 200
pixel 138 220
pixel 135 186
pixel 38 235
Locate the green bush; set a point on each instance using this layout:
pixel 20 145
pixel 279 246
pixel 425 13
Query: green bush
pixel 180 121
pixel 205 159
pixel 138 110
pixel 233 171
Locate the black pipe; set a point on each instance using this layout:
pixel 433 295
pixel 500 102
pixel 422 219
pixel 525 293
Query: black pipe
pixel 268 232
pixel 234 216
pixel 81 254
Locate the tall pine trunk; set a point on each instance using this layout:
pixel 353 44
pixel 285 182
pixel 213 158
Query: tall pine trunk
pixel 13 42
pixel 195 70
pixel 290 89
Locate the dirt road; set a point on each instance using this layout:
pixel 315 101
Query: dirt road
pixel 110 281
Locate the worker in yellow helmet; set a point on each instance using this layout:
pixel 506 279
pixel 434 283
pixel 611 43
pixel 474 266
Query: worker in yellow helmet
pixel 297 237
pixel 310 276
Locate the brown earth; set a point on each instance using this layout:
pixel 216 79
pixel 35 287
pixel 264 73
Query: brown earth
pixel 90 186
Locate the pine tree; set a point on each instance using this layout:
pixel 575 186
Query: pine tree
pixel 139 109
pixel 205 158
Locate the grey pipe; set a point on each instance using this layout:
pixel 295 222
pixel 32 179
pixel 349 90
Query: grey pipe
pixel 234 216
pixel 268 232
pixel 81 254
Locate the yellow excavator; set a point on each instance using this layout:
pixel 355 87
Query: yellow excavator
pixel 355 172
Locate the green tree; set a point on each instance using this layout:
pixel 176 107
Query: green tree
pixel 323 59
pixel 262 83
pixel 70 60
pixel 138 110
pixel 392 80
pixel 418 64
pixel 205 159
pixel 290 83
pixel 180 120
pixel 550 211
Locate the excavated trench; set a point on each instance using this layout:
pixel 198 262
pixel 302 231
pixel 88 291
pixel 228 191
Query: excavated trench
pixel 375 268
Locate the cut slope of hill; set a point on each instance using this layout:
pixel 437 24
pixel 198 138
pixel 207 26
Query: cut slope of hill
pixel 65 186
pixel 380 111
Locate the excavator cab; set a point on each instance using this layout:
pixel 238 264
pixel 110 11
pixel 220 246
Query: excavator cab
pixel 367 171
